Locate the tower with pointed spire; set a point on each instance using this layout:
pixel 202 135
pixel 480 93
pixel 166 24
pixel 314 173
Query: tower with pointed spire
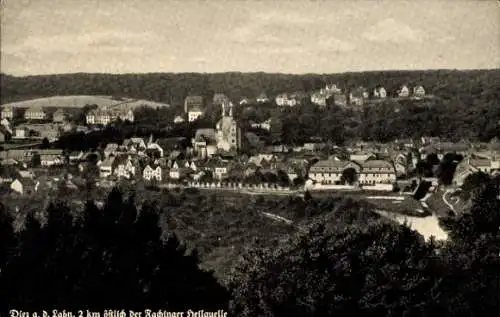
pixel 228 130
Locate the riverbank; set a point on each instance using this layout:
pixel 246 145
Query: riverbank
pixel 427 227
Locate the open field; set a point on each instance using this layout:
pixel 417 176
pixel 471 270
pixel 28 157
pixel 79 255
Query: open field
pixel 134 103
pixel 389 201
pixel 81 101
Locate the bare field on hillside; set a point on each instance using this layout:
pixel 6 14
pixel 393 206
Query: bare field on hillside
pixel 81 101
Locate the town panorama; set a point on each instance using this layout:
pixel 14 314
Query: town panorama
pixel 251 159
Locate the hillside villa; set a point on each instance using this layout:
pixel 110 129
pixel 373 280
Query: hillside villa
pixel 105 116
pixel 35 113
pixel 194 107
pixel 404 92
pixel 379 92
pixel 262 98
pixel 7 112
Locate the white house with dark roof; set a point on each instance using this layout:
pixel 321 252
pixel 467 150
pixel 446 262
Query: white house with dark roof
pixel 105 116
pixel 319 99
pixel 377 172
pixel 218 168
pixel 152 172
pixel 179 170
pixel 35 113
pixel 379 92
pixel 194 107
pixel 50 157
pixel 155 146
pixel 465 168
pixel 262 98
pixel 404 92
pixel 7 112
pixel 139 143
pixel 24 185
pixel 179 119
pixel 265 125
pixel 286 100
pixel 330 171
pixel 126 167
pixel 361 156
pixel 106 167
pixel 281 99
pixel 481 165
pixel 194 113
pixel 111 148
pixel 418 91
pixel 205 142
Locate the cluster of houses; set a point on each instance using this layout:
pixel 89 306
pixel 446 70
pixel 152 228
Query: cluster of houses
pixel 360 94
pixel 291 100
pixel 213 153
pixel 50 123
pixel 163 161
pixel 35 123
pixel 106 115
pixel 169 160
pixel 36 131
pixel 102 116
pixel 36 114
pixel 355 96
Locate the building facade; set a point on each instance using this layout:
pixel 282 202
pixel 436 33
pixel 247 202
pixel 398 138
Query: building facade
pixel 7 112
pixel 35 113
pixel 228 132
pixel 404 92
pixel 106 116
pixel 59 116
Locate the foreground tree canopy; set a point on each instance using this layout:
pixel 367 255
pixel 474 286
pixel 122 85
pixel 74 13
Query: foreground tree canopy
pixel 341 259
pixel 112 258
pixel 382 270
pixel 378 270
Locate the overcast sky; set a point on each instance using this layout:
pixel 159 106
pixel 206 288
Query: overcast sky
pixel 124 36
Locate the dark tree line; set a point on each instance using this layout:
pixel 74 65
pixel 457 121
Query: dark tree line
pixel 172 88
pixel 120 131
pixel 377 269
pixel 110 258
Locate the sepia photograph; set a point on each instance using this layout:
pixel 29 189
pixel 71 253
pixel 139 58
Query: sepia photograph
pixel 249 158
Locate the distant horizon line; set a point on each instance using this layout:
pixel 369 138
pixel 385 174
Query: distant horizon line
pixel 257 72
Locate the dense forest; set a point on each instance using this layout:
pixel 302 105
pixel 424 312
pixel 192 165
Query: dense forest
pixel 173 88
pixel 465 104
pixel 342 259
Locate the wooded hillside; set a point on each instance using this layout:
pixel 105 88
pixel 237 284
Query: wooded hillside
pixel 172 88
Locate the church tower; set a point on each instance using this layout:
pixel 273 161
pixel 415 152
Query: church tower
pixel 223 109
pixel 228 130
